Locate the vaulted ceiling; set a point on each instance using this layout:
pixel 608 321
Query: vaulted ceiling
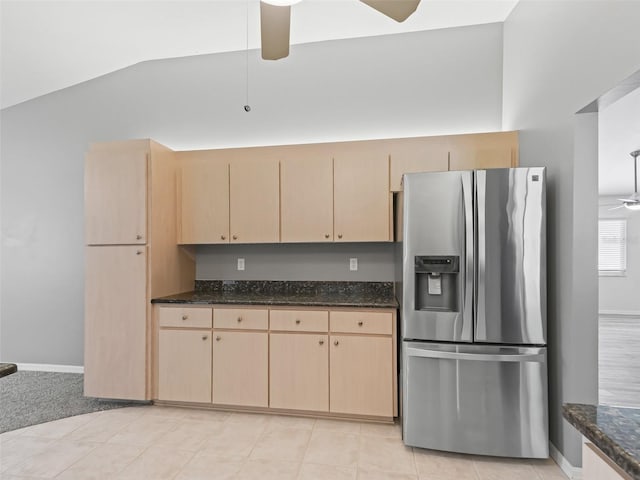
pixel 47 45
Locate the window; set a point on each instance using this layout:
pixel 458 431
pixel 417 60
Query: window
pixel 612 246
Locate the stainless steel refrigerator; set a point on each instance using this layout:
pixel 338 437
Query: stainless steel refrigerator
pixel 474 357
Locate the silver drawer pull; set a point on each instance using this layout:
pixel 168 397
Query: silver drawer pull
pixel 185 317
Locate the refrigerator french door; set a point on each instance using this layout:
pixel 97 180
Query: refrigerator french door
pixel 474 312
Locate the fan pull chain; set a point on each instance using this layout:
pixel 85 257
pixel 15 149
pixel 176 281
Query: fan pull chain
pixel 247 107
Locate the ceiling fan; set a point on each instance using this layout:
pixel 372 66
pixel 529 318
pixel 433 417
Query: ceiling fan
pixel 633 202
pixel 275 18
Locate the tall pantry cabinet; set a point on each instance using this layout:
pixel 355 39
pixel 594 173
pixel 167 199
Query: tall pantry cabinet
pixel 130 257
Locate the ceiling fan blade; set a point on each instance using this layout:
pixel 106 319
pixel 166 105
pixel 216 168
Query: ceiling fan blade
pixel 616 208
pixel 274 30
pixel 399 10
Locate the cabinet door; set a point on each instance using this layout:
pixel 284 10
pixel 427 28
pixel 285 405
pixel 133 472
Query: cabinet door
pixel 299 371
pixel 115 335
pixel 306 189
pixel 240 368
pixel 115 193
pixel 425 154
pixel 361 375
pixel 204 202
pixel 254 200
pixel 597 466
pixel 483 150
pixel 361 197
pixel 184 365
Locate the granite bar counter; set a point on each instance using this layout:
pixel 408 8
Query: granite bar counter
pixel 294 293
pixel 614 430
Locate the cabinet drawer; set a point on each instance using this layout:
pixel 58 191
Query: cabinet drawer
pixel 241 318
pixel 300 320
pixel 362 322
pixel 184 317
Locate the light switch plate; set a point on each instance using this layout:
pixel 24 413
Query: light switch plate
pixel 241 264
pixel 353 264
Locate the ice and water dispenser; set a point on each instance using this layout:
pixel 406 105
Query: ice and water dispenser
pixel 437 282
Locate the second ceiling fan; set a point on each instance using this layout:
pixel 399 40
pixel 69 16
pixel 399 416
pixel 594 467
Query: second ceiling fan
pixel 275 19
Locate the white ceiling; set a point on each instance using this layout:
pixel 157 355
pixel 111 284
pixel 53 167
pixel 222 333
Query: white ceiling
pixel 48 45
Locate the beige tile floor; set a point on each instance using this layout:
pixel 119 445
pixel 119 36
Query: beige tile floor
pixel 151 442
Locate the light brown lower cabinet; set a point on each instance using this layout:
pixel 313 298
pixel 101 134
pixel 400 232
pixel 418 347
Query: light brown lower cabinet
pixel 361 375
pixel 597 466
pixel 184 365
pixel 299 371
pixel 333 361
pixel 240 368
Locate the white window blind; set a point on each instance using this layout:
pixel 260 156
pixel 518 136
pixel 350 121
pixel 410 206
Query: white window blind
pixel 612 246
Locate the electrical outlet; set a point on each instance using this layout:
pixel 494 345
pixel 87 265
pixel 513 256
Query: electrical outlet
pixel 241 264
pixel 353 264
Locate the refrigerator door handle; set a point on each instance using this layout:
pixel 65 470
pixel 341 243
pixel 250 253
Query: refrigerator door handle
pixel 483 357
pixel 480 280
pixel 467 309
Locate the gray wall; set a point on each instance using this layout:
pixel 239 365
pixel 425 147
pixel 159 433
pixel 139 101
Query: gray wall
pixel 426 83
pixel 559 57
pixel 298 261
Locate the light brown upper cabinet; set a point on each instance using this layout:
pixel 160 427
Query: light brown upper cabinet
pixel 483 150
pixel 203 195
pixel 423 154
pixel 116 197
pixel 306 190
pixel 361 196
pixel 254 206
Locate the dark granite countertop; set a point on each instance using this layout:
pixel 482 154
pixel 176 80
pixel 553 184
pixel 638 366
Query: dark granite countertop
pixel 327 294
pixel 614 430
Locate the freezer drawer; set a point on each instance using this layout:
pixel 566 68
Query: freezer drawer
pixel 486 400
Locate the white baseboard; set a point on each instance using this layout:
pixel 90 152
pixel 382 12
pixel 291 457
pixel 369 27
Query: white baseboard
pixel 574 473
pixel 44 367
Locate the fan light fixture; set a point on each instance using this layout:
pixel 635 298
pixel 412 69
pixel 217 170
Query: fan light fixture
pixel 281 3
pixel 633 202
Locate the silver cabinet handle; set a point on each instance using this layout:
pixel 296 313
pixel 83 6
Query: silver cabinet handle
pixel 326 235
pixel 360 323
pixel 339 235
pixel 480 357
pixel 297 321
pixel 218 338
pixel 204 337
pixel 320 342
pixel 222 237
pixel 235 237
pixel 139 252
pixel 239 319
pixel 138 237
pixel 184 317
pixel 336 343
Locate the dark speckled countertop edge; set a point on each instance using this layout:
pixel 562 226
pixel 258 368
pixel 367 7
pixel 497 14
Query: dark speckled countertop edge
pixel 283 301
pixel 579 416
pixel 282 293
